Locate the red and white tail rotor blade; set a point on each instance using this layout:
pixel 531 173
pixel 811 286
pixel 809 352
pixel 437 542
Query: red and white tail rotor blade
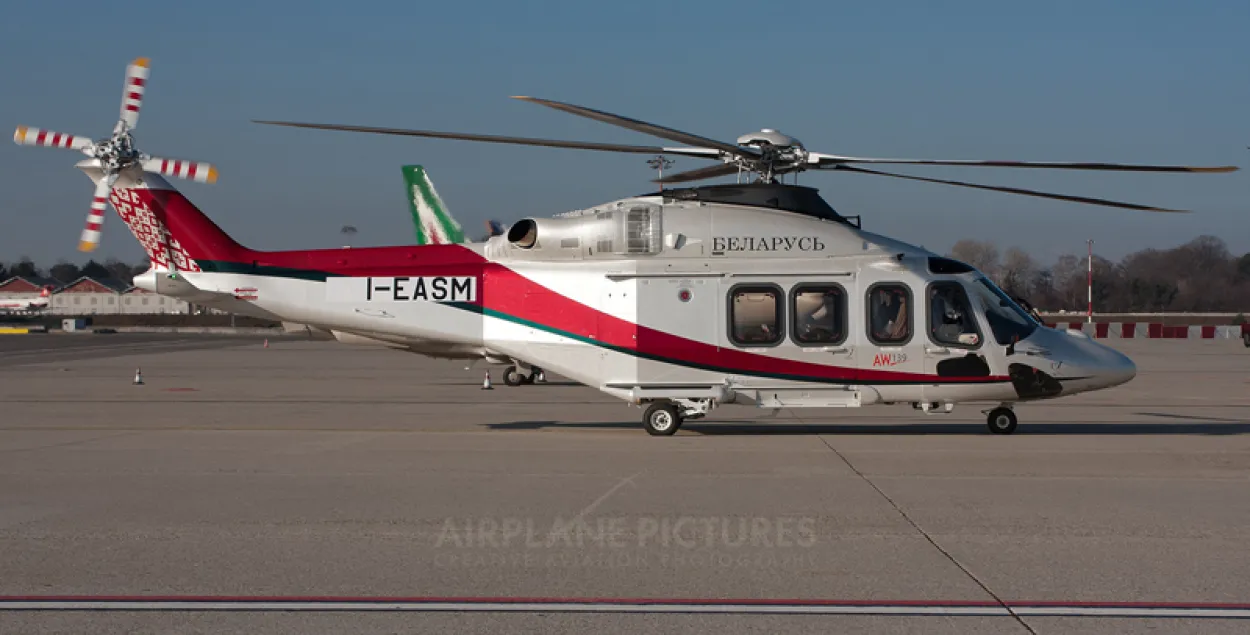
pixel 197 171
pixel 132 97
pixel 95 218
pixel 27 136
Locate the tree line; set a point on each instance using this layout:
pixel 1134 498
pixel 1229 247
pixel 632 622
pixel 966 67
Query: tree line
pixel 67 272
pixel 1200 276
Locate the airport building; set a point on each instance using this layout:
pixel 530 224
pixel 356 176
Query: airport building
pixel 91 296
pixel 26 288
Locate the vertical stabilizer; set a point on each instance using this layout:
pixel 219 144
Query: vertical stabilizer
pixel 434 224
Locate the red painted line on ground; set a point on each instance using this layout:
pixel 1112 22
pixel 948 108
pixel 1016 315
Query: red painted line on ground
pixel 628 601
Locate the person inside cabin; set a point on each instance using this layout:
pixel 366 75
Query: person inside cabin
pixel 820 325
pixel 889 315
pixel 950 316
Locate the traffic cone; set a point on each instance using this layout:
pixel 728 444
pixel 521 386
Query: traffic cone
pixel 541 377
pixel 486 382
pixel 266 342
pixel 138 377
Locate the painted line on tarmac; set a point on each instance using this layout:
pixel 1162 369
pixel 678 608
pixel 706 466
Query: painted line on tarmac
pixel 1153 610
pixel 98 347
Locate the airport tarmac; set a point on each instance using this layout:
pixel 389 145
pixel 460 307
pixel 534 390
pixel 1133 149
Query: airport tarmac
pixel 316 470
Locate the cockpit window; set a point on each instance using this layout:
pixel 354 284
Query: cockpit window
pixel 1007 320
pixel 951 320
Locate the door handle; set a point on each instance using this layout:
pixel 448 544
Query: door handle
pixel 937 350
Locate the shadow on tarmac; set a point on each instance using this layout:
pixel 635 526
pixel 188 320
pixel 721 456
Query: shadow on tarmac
pixel 1207 426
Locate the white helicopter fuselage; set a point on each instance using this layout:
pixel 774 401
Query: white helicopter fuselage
pixel 699 303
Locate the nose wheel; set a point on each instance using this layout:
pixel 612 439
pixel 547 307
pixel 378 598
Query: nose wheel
pixel 1001 421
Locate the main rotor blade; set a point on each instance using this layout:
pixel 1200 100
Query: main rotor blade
pixel 553 143
pixel 1013 190
pixel 711 171
pixel 828 160
pixel 642 126
pixel 132 95
pixel 26 136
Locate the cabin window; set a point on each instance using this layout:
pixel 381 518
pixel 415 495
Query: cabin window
pixel 755 315
pixel 951 319
pixel 819 314
pixel 889 314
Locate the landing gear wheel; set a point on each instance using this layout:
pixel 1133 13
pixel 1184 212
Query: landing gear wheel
pixel 1002 421
pixel 661 419
pixel 512 377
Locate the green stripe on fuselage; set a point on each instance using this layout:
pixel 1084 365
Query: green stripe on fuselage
pixel 222 266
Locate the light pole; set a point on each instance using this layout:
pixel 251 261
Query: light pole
pixel 659 162
pixel 1089 287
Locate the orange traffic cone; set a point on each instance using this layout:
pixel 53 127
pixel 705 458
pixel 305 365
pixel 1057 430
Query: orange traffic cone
pixel 486 382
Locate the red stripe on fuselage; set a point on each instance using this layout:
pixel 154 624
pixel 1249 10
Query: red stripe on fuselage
pixel 508 292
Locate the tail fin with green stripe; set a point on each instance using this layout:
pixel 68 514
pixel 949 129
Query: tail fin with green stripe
pixel 434 224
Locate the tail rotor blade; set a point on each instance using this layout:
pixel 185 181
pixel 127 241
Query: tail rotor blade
pixel 132 96
pixel 95 218
pixel 27 136
pixel 197 171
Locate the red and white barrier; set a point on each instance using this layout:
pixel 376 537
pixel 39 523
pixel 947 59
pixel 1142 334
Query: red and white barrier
pixel 1154 330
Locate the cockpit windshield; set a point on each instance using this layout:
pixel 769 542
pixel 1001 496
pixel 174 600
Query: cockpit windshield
pixel 1007 320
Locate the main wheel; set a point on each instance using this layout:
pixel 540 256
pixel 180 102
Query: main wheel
pixel 512 377
pixel 1002 421
pixel 661 419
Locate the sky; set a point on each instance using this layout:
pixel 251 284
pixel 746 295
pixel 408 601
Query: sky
pixel 1140 81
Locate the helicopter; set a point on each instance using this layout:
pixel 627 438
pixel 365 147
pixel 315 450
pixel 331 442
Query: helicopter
pixel 678 301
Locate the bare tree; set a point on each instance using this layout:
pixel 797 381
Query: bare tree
pixel 119 270
pixel 981 255
pixel 64 272
pixel 25 268
pixel 1018 272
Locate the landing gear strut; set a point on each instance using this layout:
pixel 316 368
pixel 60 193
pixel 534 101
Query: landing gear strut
pixel 1001 420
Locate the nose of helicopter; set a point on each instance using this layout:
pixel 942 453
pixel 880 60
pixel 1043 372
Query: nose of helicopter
pixel 1114 368
pixel 1082 364
pixel 1105 366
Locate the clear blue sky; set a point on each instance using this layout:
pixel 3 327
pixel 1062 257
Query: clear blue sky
pixel 1131 81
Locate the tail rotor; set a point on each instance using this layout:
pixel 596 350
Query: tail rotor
pixel 116 155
